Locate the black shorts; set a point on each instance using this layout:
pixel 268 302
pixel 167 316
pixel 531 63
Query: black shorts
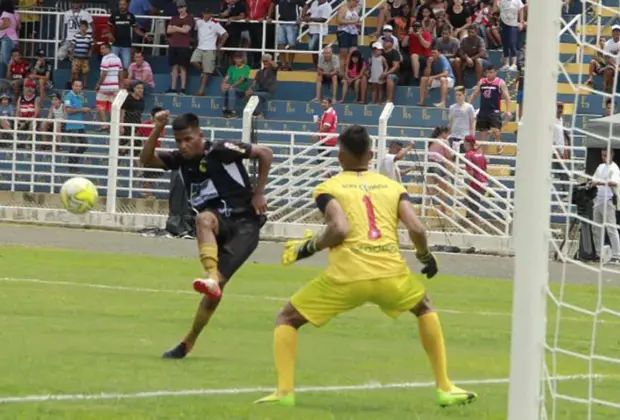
pixel 486 122
pixel 179 56
pixel 236 241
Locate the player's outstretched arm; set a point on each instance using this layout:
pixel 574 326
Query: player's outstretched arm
pixel 148 157
pixel 417 233
pixel 336 230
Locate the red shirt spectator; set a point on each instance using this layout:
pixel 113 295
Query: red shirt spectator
pixel 416 47
pixel 258 9
pixel 147 128
pixel 18 68
pixel 476 165
pixel 328 123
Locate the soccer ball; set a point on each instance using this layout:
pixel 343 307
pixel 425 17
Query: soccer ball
pixel 78 195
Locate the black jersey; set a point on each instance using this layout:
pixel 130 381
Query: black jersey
pixel 218 180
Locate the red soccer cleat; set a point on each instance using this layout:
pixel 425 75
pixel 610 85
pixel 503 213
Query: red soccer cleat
pixel 208 287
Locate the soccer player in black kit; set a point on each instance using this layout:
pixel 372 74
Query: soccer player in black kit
pixel 229 213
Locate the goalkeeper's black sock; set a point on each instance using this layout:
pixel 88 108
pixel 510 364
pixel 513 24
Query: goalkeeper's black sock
pixel 308 249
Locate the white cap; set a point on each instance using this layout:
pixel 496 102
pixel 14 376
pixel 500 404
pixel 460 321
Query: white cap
pixel 615 28
pixel 388 28
pixel 377 45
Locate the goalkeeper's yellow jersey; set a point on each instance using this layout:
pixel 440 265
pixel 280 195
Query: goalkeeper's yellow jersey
pixel 371 249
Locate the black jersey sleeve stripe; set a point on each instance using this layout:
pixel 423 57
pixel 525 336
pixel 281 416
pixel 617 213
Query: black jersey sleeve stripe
pixel 322 200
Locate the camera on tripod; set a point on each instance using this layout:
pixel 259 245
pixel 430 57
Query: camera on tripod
pixel 583 197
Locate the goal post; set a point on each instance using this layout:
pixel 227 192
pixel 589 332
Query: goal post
pixel 115 133
pixel 532 211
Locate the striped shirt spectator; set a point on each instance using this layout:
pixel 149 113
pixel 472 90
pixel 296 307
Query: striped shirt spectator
pixel 82 44
pixel 112 66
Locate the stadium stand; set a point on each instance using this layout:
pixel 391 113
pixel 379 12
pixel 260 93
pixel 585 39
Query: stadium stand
pixel 291 108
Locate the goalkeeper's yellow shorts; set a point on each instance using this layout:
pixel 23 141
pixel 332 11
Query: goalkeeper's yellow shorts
pixel 322 299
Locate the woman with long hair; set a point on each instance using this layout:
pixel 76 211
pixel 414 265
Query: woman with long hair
pixel 354 76
pixel 401 24
pixel 9 30
pixel 427 19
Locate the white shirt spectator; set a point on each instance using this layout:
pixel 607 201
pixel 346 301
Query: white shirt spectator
pixel 461 120
pixel 329 65
pixel 72 22
pixel 612 48
pixel 509 11
pixel 606 172
pixel 208 31
pixel 113 66
pixel 322 11
pixel 389 168
pixel 558 138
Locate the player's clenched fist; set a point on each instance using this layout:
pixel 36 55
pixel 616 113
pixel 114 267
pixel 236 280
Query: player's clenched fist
pixel 430 263
pixel 299 249
pixel 161 118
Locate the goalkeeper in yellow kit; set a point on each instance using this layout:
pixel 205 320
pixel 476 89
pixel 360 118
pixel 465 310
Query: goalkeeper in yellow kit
pixel 361 210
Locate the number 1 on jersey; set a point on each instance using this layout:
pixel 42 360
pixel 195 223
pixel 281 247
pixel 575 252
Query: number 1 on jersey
pixel 373 230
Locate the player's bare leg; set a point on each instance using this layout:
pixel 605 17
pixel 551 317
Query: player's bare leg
pixel 207 227
pixel 288 321
pixel 431 336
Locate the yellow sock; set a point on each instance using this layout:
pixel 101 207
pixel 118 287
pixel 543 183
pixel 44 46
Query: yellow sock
pixel 208 258
pixel 431 336
pixel 285 353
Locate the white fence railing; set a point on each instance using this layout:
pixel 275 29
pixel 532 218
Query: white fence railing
pixel 34 160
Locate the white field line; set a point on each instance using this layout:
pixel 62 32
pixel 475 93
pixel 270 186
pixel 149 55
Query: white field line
pixel 244 296
pixel 373 386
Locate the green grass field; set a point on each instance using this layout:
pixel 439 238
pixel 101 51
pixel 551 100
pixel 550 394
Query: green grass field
pixel 98 323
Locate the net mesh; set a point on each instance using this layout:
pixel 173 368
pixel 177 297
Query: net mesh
pixel 583 296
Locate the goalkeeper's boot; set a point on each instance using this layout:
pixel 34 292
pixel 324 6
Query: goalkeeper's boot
pixel 456 396
pixel 208 287
pixel 284 400
pixel 177 352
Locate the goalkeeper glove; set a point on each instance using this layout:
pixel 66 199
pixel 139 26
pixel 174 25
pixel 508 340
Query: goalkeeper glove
pixel 429 261
pixel 299 249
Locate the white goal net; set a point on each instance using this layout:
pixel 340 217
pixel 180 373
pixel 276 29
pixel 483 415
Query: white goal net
pixel 565 355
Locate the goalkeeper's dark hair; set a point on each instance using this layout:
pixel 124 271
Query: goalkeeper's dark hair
pixel 356 140
pixel 185 121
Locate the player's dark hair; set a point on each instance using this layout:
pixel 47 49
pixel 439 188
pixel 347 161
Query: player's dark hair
pixel 84 23
pixel 490 67
pixel 156 110
pixel 185 121
pixel 356 140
